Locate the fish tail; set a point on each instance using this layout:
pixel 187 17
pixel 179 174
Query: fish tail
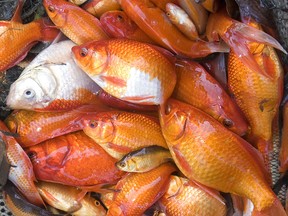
pixel 275 209
pixel 48 31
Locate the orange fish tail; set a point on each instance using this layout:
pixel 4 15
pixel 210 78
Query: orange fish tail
pixel 48 31
pixel 275 209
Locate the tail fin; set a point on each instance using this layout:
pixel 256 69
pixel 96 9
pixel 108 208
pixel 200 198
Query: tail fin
pixel 48 31
pixel 275 209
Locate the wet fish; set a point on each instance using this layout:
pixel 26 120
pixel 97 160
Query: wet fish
pixel 121 73
pixel 52 81
pixel 145 159
pixel 99 7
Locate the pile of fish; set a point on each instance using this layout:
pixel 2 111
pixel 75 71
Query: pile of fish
pixel 142 107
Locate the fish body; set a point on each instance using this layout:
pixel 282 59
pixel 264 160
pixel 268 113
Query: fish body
pixel 283 157
pixel 77 2
pixel 65 197
pixel 132 198
pixel 77 24
pixel 181 19
pixel 211 5
pixel 212 155
pixel 118 132
pixel 120 66
pixel 144 159
pixel 73 159
pixel 19 206
pixel 99 7
pixel 197 87
pixel 118 25
pixel 47 125
pixel 184 197
pixel 154 22
pixel 52 81
pixel 21 171
pixel 22 36
pixel 258 95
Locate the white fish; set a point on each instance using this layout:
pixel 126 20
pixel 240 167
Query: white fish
pixel 52 81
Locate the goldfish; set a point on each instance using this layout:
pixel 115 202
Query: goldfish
pixel 65 197
pixel 145 159
pixel 21 171
pixel 197 87
pixel 162 4
pixel 77 24
pixel 207 152
pixel 73 159
pixel 154 22
pixel 99 7
pixel 52 82
pixel 181 19
pixel 121 73
pixel 47 124
pixel 19 206
pixel 22 36
pixel 211 5
pixel 184 197
pixel 257 95
pixel 118 25
pixel 118 132
pixel 132 199
pixel 4 164
pixel 238 35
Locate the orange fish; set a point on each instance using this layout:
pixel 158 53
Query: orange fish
pixel 21 171
pixel 283 157
pixel 118 132
pixel 184 197
pixel 118 25
pixel 47 125
pixel 154 22
pixel 257 95
pixel 121 66
pixel 73 159
pixel 211 5
pixel 99 7
pixel 206 151
pixel 138 191
pixel 197 87
pixel 20 38
pixel 238 35
pixel 77 24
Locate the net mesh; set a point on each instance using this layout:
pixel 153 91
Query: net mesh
pixel 3 210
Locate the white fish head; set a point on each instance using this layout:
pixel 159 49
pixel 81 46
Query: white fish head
pixel 32 90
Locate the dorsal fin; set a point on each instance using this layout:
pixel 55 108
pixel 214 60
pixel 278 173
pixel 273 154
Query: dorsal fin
pixel 17 15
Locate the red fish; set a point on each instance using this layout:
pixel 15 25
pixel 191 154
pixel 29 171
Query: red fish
pixel 73 159
pixel 20 38
pixel 74 22
pixel 21 171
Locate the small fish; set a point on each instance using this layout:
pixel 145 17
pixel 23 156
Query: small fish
pixel 118 25
pixel 21 171
pixel 181 19
pixel 22 36
pixel 77 24
pixel 138 191
pixel 19 206
pixel 47 125
pixel 207 152
pixel 184 198
pixel 4 164
pixel 118 132
pixel 52 82
pixel 121 73
pixel 73 159
pixel 98 7
pixel 144 159
pixel 65 198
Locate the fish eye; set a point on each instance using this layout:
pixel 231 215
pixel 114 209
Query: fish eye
pixel 167 109
pixel 51 8
pixel 227 123
pixel 168 14
pixel 93 124
pixel 119 17
pixel 122 164
pixel 32 155
pixel 97 203
pixel 29 93
pixel 83 52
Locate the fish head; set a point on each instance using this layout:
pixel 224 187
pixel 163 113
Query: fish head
pixel 100 128
pixel 126 164
pixel 92 57
pixel 57 11
pixel 91 206
pixel 173 120
pixel 12 122
pixel 32 91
